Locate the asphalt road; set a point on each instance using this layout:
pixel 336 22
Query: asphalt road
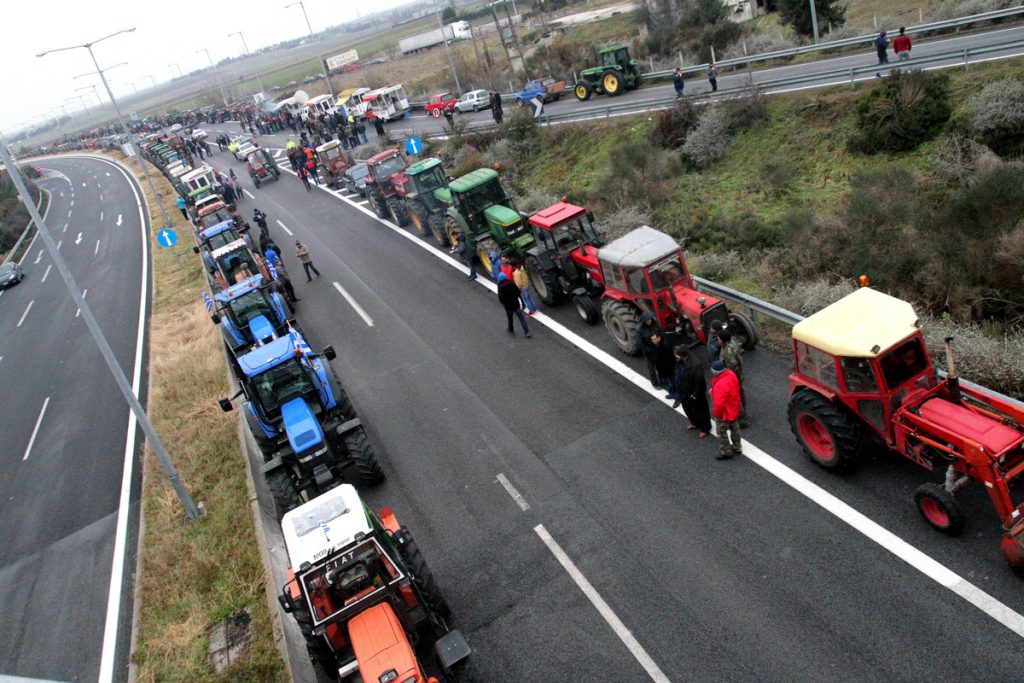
pixel 581 533
pixel 61 479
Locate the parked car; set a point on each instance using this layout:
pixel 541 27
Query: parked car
pixel 245 149
pixel 440 103
pixel 474 100
pixel 355 179
pixel 199 134
pixel 10 275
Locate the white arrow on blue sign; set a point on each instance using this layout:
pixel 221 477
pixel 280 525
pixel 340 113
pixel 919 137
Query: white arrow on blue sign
pixel 167 237
pixel 413 145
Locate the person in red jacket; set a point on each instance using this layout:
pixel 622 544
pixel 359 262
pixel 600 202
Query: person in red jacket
pixel 725 393
pixel 901 45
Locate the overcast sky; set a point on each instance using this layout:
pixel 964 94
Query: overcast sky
pixel 166 32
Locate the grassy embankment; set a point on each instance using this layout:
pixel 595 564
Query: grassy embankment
pixel 195 573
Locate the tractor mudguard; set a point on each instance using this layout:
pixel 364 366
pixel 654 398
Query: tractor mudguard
pixel 326 392
pixel 451 649
pixel 388 519
pixel 232 331
pixel 348 426
pixel 463 225
pixel 268 431
pixel 275 299
pixel 272 464
pixel 545 261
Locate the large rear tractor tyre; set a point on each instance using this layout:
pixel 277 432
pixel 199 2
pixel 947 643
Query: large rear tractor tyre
pixel 363 457
pixel 939 508
pixel 613 83
pixel 544 282
pixel 421 574
pixel 483 253
pixel 586 309
pixel 419 217
pixel 743 330
pixel 828 435
pixel 452 230
pixel 583 91
pixel 282 490
pixel 436 224
pixel 621 320
pixel 319 654
pixel 397 211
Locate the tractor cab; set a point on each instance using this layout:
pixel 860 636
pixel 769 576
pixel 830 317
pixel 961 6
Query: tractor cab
pixel 250 314
pixel 387 176
pixel 359 582
pixel 261 166
pixel 199 183
pixel 425 189
pixel 334 161
pixel 646 269
pixel 482 208
pixel 565 231
pixel 383 167
pixel 220 235
pixel 235 262
pixel 616 57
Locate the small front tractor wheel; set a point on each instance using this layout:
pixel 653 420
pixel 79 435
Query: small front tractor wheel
pixel 743 330
pixel 283 491
pixel 436 224
pixel 545 282
pixel 421 574
pixel 939 508
pixel 452 230
pixel 399 214
pixel 418 216
pixel 583 91
pixel 483 252
pixel 613 83
pixel 363 457
pixel 622 320
pixel 827 434
pixel 586 309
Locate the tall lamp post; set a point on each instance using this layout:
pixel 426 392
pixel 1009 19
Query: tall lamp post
pixel 213 67
pixel 246 48
pixel 327 78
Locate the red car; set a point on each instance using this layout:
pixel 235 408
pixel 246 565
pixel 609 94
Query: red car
pixel 440 103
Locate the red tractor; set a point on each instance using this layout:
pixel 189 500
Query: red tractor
pixel 387 170
pixel 363 596
pixel 862 376
pixel 641 271
pixel 440 103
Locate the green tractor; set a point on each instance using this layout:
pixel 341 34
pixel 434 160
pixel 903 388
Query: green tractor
pixel 616 74
pixel 483 211
pixel 427 197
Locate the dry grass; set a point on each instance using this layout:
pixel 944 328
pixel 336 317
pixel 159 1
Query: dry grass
pixel 196 573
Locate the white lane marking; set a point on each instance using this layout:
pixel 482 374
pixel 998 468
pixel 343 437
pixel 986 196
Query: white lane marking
pixel 59 242
pixel 101 196
pixel 251 195
pixel 47 272
pixel 359 309
pixel 362 202
pixel 101 215
pixel 35 430
pixel 110 628
pixel 65 227
pixel 97 249
pixel 25 314
pixel 83 184
pixel 872 530
pixel 285 228
pixel 511 490
pixel 108 175
pixel 118 219
pixel 39 256
pixel 78 240
pixel 624 634
pixel 77 313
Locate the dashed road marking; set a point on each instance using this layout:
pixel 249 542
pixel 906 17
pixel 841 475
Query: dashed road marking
pixel 97 249
pixel 47 273
pixel 251 195
pixel 35 430
pixel 352 302
pixel 285 228
pixel 25 314
pixel 511 490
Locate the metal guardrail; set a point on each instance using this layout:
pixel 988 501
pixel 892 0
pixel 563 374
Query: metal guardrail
pixel 762 307
pixel 24 233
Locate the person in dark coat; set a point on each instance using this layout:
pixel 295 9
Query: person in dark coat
pixel 678 83
pixel 664 363
pixel 714 345
pixel 882 48
pixel 690 390
pixel 228 193
pixel 465 252
pixel 496 111
pixel 508 295
pixel 648 328
pixel 378 125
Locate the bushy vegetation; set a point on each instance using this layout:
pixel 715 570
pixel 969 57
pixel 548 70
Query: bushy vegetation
pixel 797 13
pixel 997 116
pixel 904 110
pixel 709 141
pixel 13 214
pixel 692 27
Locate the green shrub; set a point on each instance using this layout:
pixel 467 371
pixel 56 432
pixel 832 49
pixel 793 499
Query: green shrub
pixel 709 141
pixel 797 13
pixel 746 111
pixel 997 116
pixel 905 109
pixel 673 125
pixel 636 174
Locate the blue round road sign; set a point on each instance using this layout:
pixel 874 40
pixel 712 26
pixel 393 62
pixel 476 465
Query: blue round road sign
pixel 413 145
pixel 167 237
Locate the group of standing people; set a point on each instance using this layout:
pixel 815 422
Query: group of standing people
pixel 901 45
pixel 679 83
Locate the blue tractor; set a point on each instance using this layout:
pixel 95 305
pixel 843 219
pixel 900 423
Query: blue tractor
pixel 303 422
pixel 252 313
pixel 220 235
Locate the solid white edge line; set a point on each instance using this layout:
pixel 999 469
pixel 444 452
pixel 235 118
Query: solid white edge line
pixel 352 302
pixel 251 195
pixel 624 634
pixel 513 492
pixel 47 273
pixel 897 546
pixel 25 314
pixel 285 228
pixel 35 430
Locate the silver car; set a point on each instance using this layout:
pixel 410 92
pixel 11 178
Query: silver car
pixel 474 100
pixel 10 275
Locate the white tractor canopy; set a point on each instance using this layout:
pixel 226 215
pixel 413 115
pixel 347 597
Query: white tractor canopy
pixel 639 248
pixel 327 523
pixel 862 324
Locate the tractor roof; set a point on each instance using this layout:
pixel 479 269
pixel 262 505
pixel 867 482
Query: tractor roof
pixel 328 145
pixel 473 179
pixel 270 355
pixel 237 290
pixel 613 48
pixel 381 156
pixel 553 216
pixel 421 166
pixel 215 230
pixel 862 324
pixel 329 522
pixel 639 248
pixel 228 248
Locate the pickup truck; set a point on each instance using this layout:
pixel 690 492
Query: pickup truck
pixel 549 88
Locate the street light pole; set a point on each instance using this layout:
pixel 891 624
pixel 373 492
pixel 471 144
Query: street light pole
pixel 447 48
pixel 246 48
pixel 175 65
pixel 214 69
pixel 327 78
pixel 814 20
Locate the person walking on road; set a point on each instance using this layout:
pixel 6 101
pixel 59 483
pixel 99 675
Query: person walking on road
pixel 901 45
pixel 691 391
pixel 677 82
pixel 361 130
pixel 465 252
pixel 732 356
pixel 881 47
pixel 648 328
pixel 522 281
pixel 713 77
pixel 312 170
pixel 725 394
pixel 378 125
pixel 303 176
pixel 496 111
pixel 508 295
pixel 180 201
pixel 302 252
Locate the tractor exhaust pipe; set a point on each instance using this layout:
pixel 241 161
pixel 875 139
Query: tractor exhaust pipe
pixel 951 374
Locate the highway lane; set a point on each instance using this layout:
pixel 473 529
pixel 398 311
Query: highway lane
pixel 719 570
pixel 61 498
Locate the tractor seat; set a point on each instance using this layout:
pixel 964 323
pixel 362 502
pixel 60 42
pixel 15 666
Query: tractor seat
pixel 994 436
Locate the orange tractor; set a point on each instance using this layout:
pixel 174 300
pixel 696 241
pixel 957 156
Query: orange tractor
pixel 862 376
pixel 363 596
